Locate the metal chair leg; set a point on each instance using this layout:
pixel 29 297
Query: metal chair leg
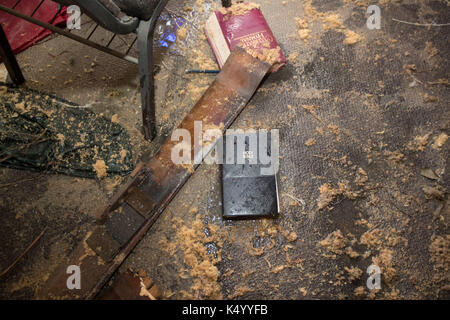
pixel 9 59
pixel 145 51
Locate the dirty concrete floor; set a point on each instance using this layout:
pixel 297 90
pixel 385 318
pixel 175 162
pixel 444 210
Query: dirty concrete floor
pixel 363 119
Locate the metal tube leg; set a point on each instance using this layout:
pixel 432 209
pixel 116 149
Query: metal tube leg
pixel 145 48
pixel 9 59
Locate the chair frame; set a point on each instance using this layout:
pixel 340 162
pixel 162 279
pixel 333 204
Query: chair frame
pixel 96 10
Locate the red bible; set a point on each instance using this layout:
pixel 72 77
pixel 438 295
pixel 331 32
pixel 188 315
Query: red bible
pixel 243 25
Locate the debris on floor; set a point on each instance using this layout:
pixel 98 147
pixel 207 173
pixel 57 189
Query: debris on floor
pixel 43 133
pixel 364 177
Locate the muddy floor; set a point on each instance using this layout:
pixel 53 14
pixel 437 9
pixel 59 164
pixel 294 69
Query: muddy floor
pixel 363 118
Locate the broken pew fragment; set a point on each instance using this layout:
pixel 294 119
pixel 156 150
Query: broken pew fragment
pixel 244 25
pixel 129 285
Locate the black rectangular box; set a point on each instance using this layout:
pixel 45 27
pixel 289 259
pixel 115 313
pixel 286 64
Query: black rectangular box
pixel 249 185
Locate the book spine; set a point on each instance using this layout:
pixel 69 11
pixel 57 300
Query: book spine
pixel 217 41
